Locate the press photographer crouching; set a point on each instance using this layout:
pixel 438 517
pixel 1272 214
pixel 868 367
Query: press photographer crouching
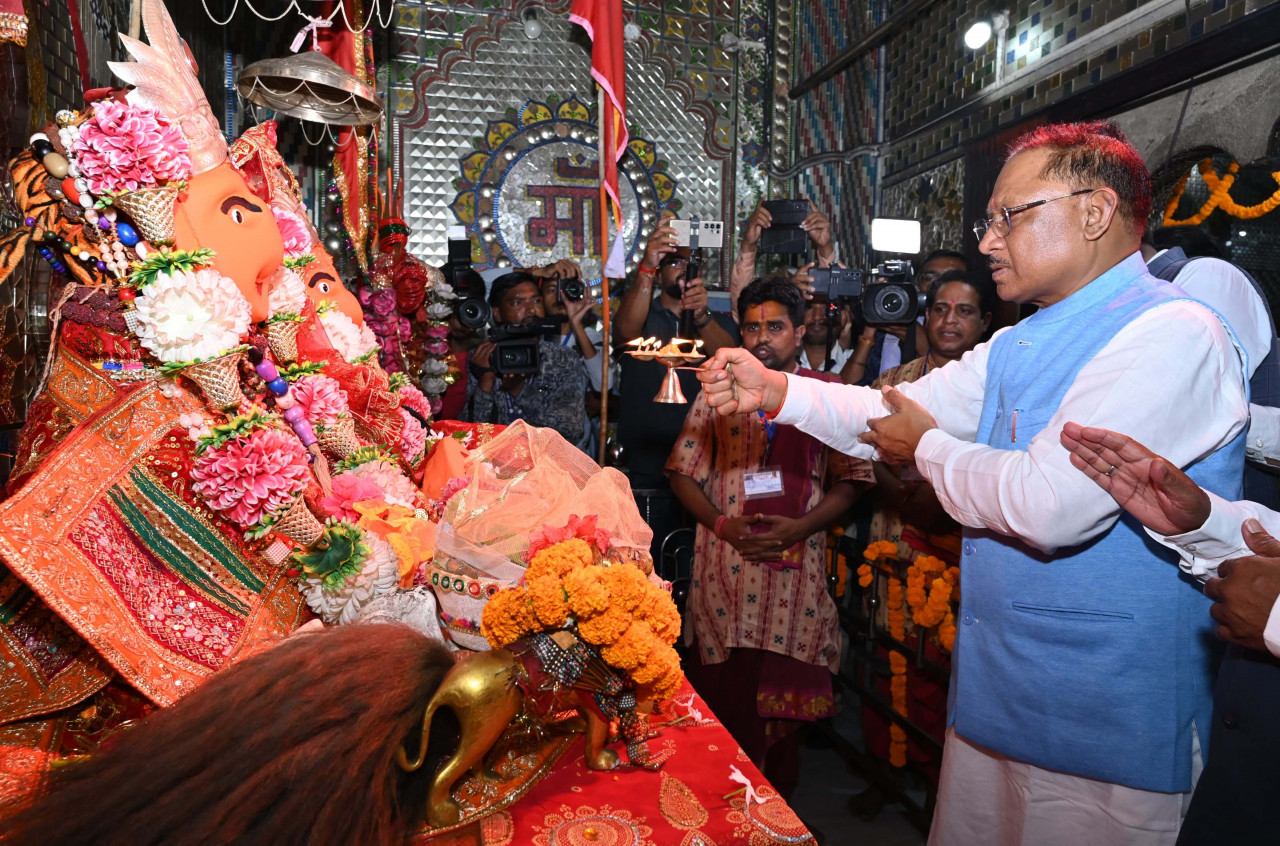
pixel 517 374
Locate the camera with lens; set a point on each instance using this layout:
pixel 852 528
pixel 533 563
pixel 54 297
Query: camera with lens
pixel 572 289
pixel 471 309
pixel 516 350
pixel 894 301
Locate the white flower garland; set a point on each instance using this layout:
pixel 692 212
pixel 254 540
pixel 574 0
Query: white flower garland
pixel 342 605
pixel 185 315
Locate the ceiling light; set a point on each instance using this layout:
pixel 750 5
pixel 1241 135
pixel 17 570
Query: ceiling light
pixel 532 26
pixel 977 35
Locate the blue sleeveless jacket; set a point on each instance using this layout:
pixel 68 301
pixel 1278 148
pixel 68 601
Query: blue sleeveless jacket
pixel 1094 660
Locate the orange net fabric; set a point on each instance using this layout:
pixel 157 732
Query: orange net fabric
pixel 527 478
pixel 522 480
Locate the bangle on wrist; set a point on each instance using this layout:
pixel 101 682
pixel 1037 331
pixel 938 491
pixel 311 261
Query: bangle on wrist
pixel 719 527
pixel 644 271
pixel 705 321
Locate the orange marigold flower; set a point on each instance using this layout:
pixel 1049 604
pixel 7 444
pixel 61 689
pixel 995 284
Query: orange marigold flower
pixel 659 611
pixel 507 617
pixel 626 586
pixel 604 628
pixel 864 575
pixel 660 663
pixel 881 549
pixel 559 560
pixel 633 648
pixel 587 593
pixel 667 686
pixel 548 601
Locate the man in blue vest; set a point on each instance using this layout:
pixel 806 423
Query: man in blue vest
pixel 1083 665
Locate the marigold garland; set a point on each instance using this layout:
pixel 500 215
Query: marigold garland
pixel 1219 197
pixel 633 622
pixel 929 587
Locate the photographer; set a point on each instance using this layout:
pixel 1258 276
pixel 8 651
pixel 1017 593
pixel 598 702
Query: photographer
pixel 648 430
pixel 552 397
pixel 817 224
pixel 574 306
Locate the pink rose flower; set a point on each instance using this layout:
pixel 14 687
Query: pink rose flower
pixel 411 397
pixel 322 399
pixel 250 478
pixel 413 438
pixel 348 489
pixel 293 231
pixel 125 147
pixel 438 332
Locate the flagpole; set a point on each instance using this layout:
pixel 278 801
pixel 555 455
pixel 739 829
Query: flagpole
pixel 603 245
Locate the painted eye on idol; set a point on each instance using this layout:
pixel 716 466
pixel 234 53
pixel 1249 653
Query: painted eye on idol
pixel 324 287
pixel 235 208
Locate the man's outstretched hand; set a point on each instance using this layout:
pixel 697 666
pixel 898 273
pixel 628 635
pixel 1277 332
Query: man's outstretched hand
pixel 1158 494
pixel 735 382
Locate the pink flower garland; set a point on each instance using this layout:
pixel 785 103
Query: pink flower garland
pixel 413 438
pixel 348 489
pixel 321 398
pixel 249 478
pixel 125 147
pixel 294 233
pixel 411 397
pixel 577 527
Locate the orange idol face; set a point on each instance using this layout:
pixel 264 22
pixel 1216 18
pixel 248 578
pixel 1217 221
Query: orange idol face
pixel 221 213
pixel 323 283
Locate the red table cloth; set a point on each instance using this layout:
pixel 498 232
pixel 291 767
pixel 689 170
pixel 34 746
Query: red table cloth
pixel 682 804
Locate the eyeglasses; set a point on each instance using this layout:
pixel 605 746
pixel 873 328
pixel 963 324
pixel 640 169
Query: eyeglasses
pixel 1004 222
pixel 674 262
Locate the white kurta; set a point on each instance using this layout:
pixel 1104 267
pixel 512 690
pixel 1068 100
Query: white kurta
pixel 1173 380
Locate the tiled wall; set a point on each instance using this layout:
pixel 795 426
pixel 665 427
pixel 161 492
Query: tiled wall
pixel 939 96
pixel 942 95
pixel 737 87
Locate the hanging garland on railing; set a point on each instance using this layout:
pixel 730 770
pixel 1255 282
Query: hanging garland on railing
pixel 1219 197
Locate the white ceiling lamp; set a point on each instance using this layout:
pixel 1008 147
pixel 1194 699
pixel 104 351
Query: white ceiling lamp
pixel 977 35
pixel 532 26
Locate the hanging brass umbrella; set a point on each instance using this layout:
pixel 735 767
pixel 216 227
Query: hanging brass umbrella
pixel 309 85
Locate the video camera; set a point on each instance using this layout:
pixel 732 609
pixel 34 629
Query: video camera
pixel 517 351
pixel 895 301
pixel 892 299
pixel 470 307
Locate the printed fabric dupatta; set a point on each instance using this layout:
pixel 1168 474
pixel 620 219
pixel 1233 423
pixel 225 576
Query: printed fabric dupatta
pixel 110 539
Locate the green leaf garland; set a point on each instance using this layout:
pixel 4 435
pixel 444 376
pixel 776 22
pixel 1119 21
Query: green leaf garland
pixel 168 262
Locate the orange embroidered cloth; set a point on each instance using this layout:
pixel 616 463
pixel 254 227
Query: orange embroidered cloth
pixel 683 804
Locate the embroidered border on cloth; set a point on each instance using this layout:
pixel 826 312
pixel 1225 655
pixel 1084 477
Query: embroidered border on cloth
pixel 37 525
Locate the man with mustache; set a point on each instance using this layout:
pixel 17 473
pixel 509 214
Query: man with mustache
pixel 1081 690
pixel 764 636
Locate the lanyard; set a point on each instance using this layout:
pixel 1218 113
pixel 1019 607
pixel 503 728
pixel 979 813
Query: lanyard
pixel 770 429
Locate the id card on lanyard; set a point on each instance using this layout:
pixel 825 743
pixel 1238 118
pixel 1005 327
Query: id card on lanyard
pixel 768 481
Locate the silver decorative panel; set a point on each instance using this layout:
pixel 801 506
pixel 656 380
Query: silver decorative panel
pixel 936 199
pixel 441 112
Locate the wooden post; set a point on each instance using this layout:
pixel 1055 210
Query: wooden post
pixel 604 278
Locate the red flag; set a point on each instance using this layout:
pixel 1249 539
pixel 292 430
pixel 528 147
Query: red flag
pixel 602 19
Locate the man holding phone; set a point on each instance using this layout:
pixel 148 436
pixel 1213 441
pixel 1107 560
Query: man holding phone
pixel 647 430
